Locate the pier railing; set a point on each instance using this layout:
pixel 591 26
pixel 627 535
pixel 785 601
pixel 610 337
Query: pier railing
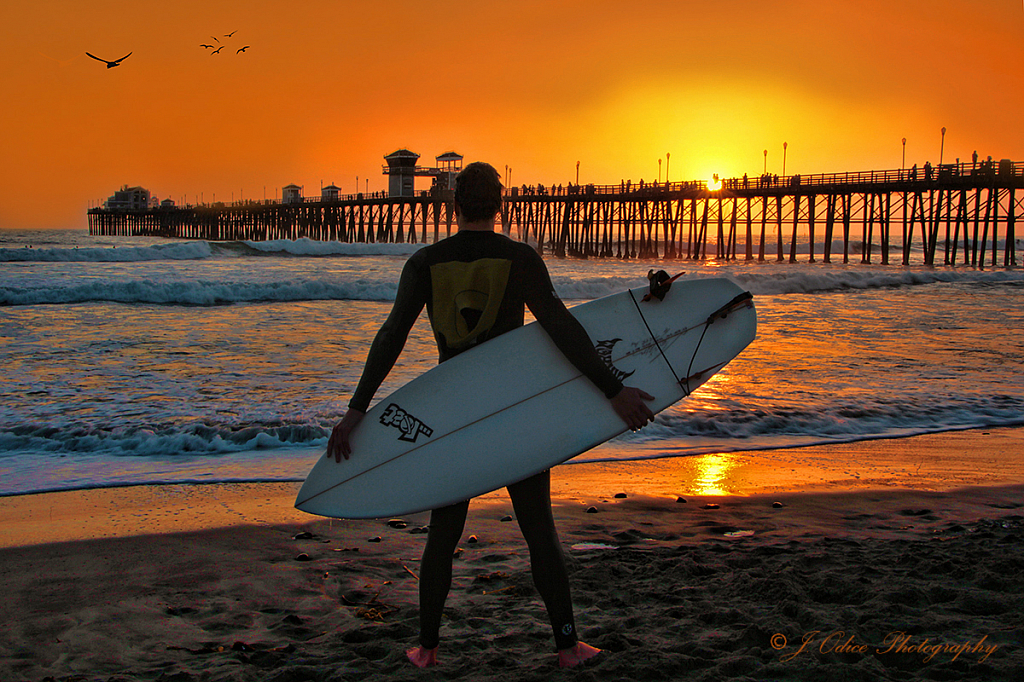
pixel 962 213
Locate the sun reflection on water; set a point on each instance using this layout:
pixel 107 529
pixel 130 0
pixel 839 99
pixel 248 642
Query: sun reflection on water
pixel 709 474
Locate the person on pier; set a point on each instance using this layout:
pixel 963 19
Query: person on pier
pixel 515 277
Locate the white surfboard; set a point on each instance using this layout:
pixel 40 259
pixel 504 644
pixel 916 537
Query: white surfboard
pixel 515 406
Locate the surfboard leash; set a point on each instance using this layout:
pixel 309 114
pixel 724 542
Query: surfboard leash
pixel 661 282
pixel 651 331
pixel 740 300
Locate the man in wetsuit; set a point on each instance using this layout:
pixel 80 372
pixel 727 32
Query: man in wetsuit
pixel 475 285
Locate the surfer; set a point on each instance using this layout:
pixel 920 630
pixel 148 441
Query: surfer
pixel 475 286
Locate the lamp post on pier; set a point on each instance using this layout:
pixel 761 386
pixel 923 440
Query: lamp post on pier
pixel 784 146
pixel 667 157
pixel 765 162
pixel 903 163
pixel 942 144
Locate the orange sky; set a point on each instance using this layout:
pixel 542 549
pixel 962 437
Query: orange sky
pixel 328 88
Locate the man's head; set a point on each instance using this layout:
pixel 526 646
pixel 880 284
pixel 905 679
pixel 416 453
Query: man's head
pixel 478 192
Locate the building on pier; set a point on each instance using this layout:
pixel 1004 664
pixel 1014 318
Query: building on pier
pixel 449 165
pixel 402 172
pixel 130 199
pixel 329 193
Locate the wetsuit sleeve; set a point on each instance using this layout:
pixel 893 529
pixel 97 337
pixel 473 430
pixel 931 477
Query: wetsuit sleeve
pixel 568 334
pixel 390 339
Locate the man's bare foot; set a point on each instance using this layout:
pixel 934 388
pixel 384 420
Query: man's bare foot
pixel 422 658
pixel 573 656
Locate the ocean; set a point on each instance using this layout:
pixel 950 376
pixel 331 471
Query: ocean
pixel 143 360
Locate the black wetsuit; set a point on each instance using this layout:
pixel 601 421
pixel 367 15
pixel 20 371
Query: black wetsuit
pixel 475 286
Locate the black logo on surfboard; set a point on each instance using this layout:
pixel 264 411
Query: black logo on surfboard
pixel 604 349
pixel 409 426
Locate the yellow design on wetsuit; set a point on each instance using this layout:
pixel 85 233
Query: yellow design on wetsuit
pixel 466 298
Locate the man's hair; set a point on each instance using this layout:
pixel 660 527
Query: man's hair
pixel 478 191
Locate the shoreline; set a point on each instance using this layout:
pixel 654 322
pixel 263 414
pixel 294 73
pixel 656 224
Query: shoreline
pixel 943 462
pixel 842 576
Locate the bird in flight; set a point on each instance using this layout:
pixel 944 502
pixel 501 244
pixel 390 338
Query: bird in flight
pixel 110 65
pixel 242 49
pixel 209 47
pixel 217 50
pixel 228 35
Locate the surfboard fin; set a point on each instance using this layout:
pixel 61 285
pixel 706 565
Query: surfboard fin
pixel 739 301
pixel 660 284
pixel 697 376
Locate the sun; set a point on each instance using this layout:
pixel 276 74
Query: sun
pixel 715 183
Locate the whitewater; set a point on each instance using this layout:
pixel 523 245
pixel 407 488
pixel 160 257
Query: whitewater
pixel 142 360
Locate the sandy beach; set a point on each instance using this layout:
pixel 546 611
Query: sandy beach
pixel 886 560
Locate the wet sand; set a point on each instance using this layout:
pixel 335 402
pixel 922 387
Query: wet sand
pixel 889 560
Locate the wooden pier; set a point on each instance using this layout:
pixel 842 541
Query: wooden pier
pixel 954 214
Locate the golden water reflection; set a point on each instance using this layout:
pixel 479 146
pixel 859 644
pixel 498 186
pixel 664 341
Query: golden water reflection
pixel 708 474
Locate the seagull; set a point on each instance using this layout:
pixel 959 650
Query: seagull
pixel 209 47
pixel 217 50
pixel 243 49
pixel 228 35
pixel 110 65
pixel 215 38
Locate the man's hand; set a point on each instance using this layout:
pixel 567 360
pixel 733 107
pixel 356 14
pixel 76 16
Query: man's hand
pixel 630 404
pixel 338 445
